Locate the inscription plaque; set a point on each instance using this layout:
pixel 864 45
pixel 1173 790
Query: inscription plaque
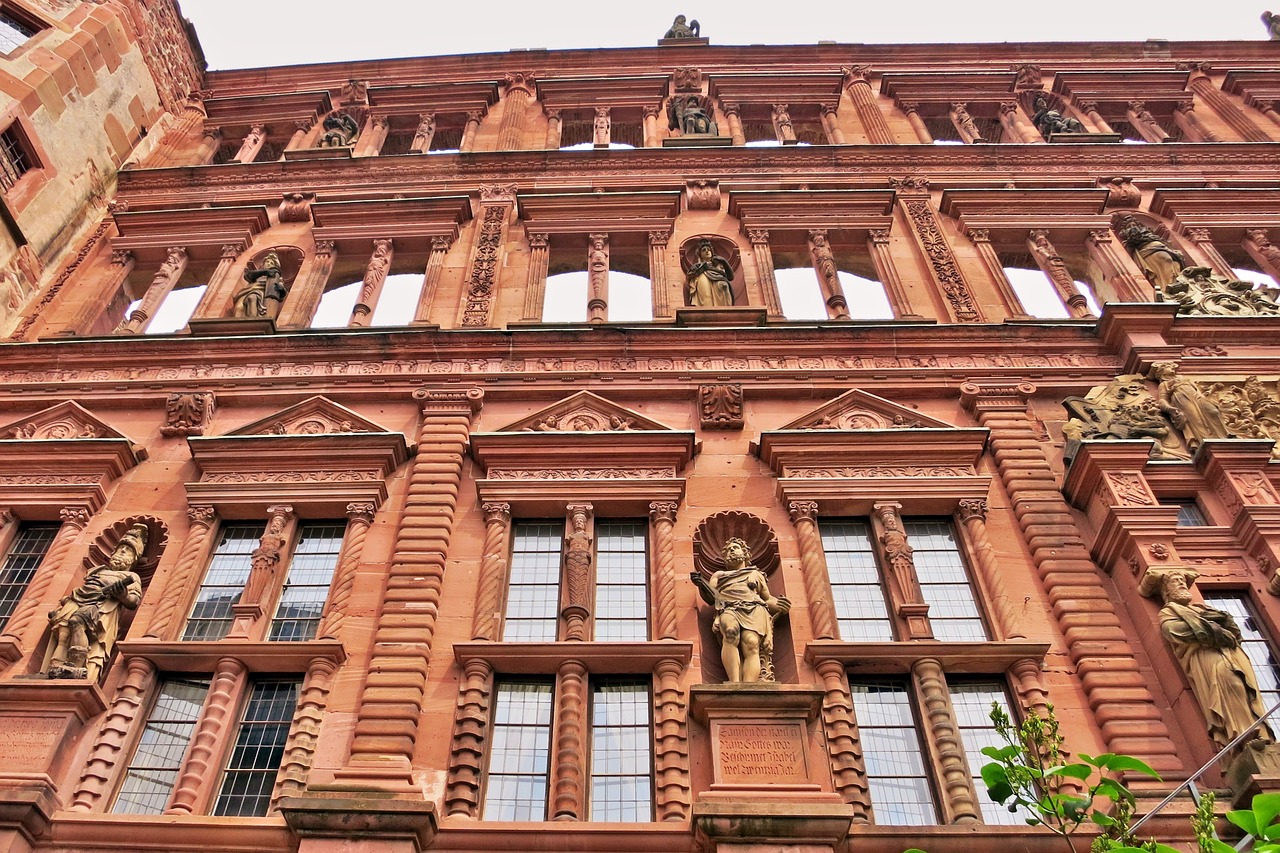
pixel 765 752
pixel 28 744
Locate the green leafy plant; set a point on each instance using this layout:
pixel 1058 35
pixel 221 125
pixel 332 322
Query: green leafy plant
pixel 1259 820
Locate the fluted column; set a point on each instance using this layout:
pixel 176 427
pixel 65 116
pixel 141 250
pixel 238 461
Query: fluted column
pixel 1268 109
pixel 1145 123
pixel 386 724
pixel 763 255
pixel 912 112
pixel 1261 249
pixel 733 115
pixel 844 749
pixel 303 299
pixel 425 132
pixel 359 519
pixel 301 129
pixel 824 264
pixel 555 130
pixel 112 283
pixel 671 742
pixel 470 732
pixel 813 566
pixel 35 599
pixel 177 585
pixel 469 129
pixel 200 770
pixel 1055 269
pixel 213 305
pixel 252 144
pixel 162 284
pixel 831 123
pixel 857 82
pixel 516 97
pixel 1008 111
pixel 568 797
pixel 304 730
pixel 662 519
pixel 981 239
pixel 658 273
pixel 597 278
pixel 493 571
pixel 431 278
pixel 1208 252
pixel 373 137
pixel 208 146
pixel 651 139
pixel 1193 130
pixel 1222 103
pixel 1126 282
pixel 1090 110
pixel 535 283
pixel 887 272
pixel 113 735
pixel 375 276
pixel 959 805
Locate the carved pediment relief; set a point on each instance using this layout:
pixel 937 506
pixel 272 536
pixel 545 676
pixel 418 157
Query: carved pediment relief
pixel 860 410
pixel 584 412
pixel 65 420
pixel 315 416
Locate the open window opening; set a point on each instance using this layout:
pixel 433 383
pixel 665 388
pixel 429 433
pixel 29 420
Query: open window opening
pixel 630 287
pixel 1036 291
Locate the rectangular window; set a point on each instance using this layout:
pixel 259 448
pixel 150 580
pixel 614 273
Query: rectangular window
pixel 899 785
pixel 259 748
pixel 15 158
pixel 621 762
pixel 151 775
pixel 1257 645
pixel 622 570
pixel 1189 514
pixel 307 584
pixel 20 565
pixel 944 583
pixel 972 702
pixel 14 32
pixel 533 592
pixel 520 757
pixel 855 581
pixel 223 583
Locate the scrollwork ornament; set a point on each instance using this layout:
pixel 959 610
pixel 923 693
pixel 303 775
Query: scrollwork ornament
pixel 971 508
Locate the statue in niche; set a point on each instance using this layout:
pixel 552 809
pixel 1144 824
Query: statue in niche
pixel 264 291
pixel 691 115
pixel 1160 263
pixel 1187 406
pixel 86 623
pixel 710 279
pixel 340 130
pixel 1048 120
pixel 1198 291
pixel 681 30
pixel 1206 642
pixel 1272 23
pixel 745 613
pixel 1124 408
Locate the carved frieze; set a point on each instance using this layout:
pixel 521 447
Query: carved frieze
pixel 484 266
pixel 1249 409
pixel 1124 408
pixel 946 270
pixel 581 473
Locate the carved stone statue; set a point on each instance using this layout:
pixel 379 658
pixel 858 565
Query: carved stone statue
pixel 1187 406
pixel 264 291
pixel 681 30
pixel 1272 23
pixel 1198 291
pixel 1123 409
pixel 710 279
pixel 691 115
pixel 86 623
pixel 1159 261
pixel 340 130
pixel 745 613
pixel 1048 120
pixel 1249 410
pixel 1206 642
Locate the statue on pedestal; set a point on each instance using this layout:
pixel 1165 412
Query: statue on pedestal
pixel 745 613
pixel 681 30
pixel 709 280
pixel 1272 23
pixel 1160 263
pixel 1048 120
pixel 691 115
pixel 86 623
pixel 264 291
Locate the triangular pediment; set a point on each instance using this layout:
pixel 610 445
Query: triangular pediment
pixel 860 410
pixel 314 416
pixel 63 421
pixel 585 412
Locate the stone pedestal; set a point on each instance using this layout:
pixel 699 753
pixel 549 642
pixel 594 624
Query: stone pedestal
pixel 39 717
pixel 763 791
pixel 326 821
pixel 728 316
pixel 233 326
pixel 1082 138
pixel 1255 770
pixel 340 152
pixel 695 141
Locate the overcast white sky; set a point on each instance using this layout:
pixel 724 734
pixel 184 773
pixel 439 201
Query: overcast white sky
pixel 256 33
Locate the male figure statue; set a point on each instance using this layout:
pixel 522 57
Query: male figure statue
pixel 86 623
pixel 745 611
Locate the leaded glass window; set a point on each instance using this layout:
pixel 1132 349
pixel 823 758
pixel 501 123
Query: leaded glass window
pixel 519 759
pixel 972 702
pixel 533 592
pixel 13 32
pixel 223 583
pixel 307 584
pixel 20 564
pixel 153 771
pixel 855 581
pixel 259 748
pixel 944 583
pixel 622 603
pixel 621 762
pixel 1257 646
pixel 896 777
pixel 1189 514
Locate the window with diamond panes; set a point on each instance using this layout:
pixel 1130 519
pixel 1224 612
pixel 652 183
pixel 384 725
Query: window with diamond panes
pixel 533 592
pixel 622 569
pixel 306 586
pixel 223 583
pixel 259 748
pixel 516 788
pixel 896 777
pixel 20 564
pixel 621 760
pixel 944 583
pixel 855 581
pixel 972 702
pixel 1257 645
pixel 13 32
pixel 153 771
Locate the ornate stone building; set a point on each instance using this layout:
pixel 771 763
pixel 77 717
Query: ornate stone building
pixel 364 435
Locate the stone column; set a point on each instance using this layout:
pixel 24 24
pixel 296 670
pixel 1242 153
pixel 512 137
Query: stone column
pixel 375 277
pixel 301 128
pixel 1145 123
pixel 518 93
pixel 304 730
pixel 887 272
pixel 1184 115
pixel 487 619
pixel 959 804
pixel 1261 249
pixel 671 742
pixel 601 128
pixel 359 519
pixel 266 564
pixel 1112 679
pixel 763 255
pixel 824 264
pixel 733 115
pixel 252 144
pixel 209 146
pixel 831 123
pixel 1090 110
pixel 965 124
pixel 568 791
pixel 651 139
pixel 374 137
pixel 813 565
pixel 857 82
pixel 1009 121
pixel 1222 103
pixel 200 769
pixel 981 239
pixel 597 278
pixel 470 732
pixel 431 278
pixel 1122 276
pixel 658 273
pixel 662 519
pixel 782 125
pixel 113 735
pixel 555 130
pixel 535 283
pixel 424 134
pixel 165 279
pixel 1028 131
pixel 900 570
pixel 217 295
pixel 112 284
pixel 1055 269
pixel 912 111
pixel 34 599
pixel 1212 257
pixel 395 686
pixel 575 613
pixel 848 773
pixel 1268 109
pixel 469 129
pixel 304 297
pixel 913 199
pixel 201 521
pixel 482 279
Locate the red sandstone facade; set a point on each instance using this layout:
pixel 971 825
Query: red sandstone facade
pixel 431 439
